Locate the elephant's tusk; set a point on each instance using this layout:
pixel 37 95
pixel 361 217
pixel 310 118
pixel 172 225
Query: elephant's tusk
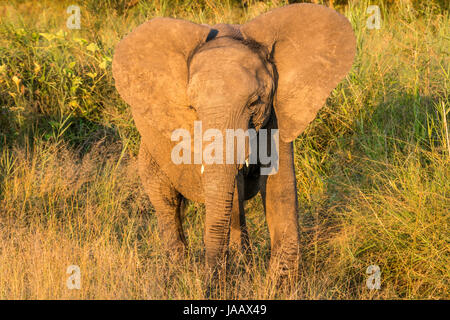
pixel 202 169
pixel 246 162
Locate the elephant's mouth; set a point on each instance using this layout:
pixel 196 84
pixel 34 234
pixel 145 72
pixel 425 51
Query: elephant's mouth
pixel 251 171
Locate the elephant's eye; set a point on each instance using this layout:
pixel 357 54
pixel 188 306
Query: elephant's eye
pixel 256 100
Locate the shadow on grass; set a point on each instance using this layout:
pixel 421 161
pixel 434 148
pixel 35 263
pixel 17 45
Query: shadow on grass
pixel 382 140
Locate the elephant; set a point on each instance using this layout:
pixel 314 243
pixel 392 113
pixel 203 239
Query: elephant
pixel 274 72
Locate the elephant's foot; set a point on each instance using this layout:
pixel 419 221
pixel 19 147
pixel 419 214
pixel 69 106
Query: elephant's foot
pixel 284 264
pixel 239 241
pixel 175 251
pixel 216 279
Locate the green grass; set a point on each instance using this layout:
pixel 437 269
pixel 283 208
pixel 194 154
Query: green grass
pixel 373 169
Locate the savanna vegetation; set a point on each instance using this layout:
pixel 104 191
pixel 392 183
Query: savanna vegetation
pixel 373 169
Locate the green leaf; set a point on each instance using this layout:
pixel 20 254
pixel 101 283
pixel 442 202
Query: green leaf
pixel 92 47
pixel 80 41
pixel 61 34
pixel 48 36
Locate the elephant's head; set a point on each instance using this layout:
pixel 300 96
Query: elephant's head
pixel 284 63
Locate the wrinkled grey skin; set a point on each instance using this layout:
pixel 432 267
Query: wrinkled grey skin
pixel 275 71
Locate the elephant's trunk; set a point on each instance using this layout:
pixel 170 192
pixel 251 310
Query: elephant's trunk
pixel 219 181
pixel 218 187
pixel 218 190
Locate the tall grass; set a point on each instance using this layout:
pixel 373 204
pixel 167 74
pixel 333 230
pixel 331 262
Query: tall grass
pixel 372 169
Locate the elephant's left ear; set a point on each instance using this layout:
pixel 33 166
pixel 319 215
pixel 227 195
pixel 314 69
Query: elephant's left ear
pixel 313 48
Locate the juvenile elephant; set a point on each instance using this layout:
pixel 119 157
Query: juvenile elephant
pixel 274 72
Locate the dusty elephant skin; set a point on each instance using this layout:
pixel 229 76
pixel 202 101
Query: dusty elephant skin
pixel 274 72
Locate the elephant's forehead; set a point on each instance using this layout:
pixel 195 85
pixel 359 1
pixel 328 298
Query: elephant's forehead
pixel 225 52
pixel 208 87
pixel 220 77
pixel 225 68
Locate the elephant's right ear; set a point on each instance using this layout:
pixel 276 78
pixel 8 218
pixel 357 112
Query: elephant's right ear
pixel 150 72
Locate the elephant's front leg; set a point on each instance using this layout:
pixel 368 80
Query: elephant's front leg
pixel 167 203
pixel 239 239
pixel 279 192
